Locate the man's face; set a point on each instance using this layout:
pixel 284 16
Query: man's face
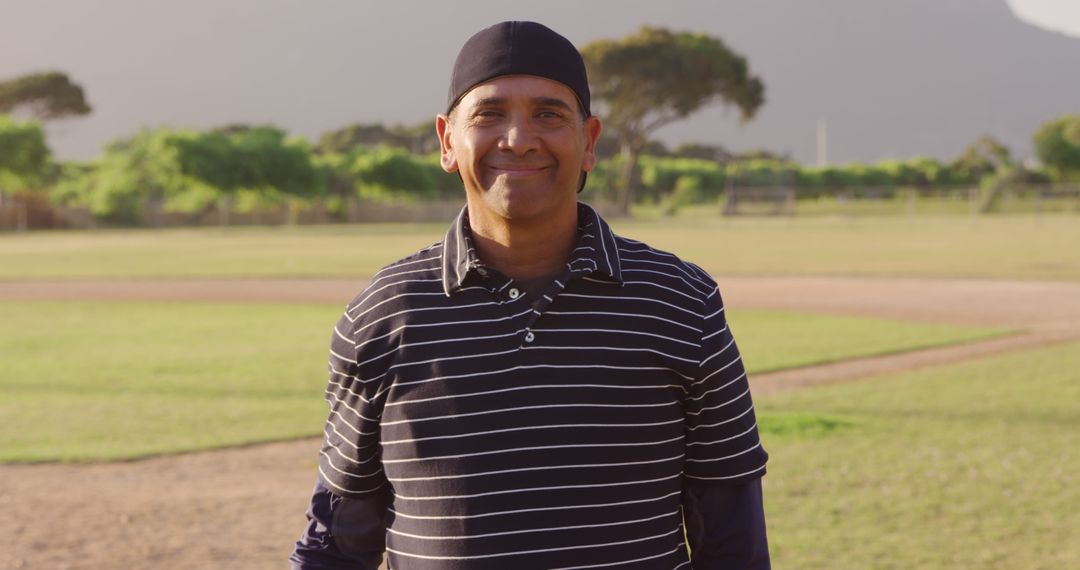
pixel 520 145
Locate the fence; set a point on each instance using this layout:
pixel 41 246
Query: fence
pixel 909 201
pixel 32 211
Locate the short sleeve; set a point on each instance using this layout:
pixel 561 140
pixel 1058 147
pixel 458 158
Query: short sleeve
pixel 722 441
pixel 349 462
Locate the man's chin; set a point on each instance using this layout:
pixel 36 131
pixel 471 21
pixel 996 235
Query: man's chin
pixel 516 190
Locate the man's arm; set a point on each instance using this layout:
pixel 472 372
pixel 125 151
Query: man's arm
pixel 342 534
pixel 722 502
pixel 725 526
pixel 348 506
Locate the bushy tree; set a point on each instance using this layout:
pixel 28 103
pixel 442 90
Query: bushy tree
pixel 391 173
pixel 981 158
pixel 1057 144
pixel 133 174
pixel 24 157
pixel 655 77
pixel 260 163
pixel 697 178
pixel 49 95
pixel 418 139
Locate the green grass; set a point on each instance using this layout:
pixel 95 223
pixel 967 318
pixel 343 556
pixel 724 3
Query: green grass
pixel 305 251
pixel 800 425
pixel 960 204
pixel 774 340
pixel 118 380
pixel 971 465
pixel 1023 246
pixel 112 380
pixel 1010 247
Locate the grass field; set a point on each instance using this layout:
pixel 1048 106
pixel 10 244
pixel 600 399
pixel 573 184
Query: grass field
pixel 965 466
pixel 117 380
pixel 775 340
pixel 1014 246
pixel 904 204
pixel 108 380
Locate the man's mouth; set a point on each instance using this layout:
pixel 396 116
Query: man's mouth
pixel 517 169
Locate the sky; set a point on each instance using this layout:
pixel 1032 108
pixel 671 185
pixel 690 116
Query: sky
pixel 1058 15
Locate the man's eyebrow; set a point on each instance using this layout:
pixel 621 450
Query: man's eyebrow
pixel 552 102
pixel 490 101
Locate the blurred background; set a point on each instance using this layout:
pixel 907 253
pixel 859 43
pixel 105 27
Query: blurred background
pixel 887 192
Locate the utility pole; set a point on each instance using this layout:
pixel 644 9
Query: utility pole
pixel 822 143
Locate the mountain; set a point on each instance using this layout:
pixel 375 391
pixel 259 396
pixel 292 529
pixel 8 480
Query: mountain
pixel 892 79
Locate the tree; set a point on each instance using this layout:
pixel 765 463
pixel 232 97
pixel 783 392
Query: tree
pixel 258 159
pixel 704 152
pixel 24 156
pixel 655 77
pixel 417 139
pixel 351 137
pixel 49 95
pixel 981 158
pixel 24 159
pixel 134 177
pixel 388 173
pixel 1057 144
pixel 251 158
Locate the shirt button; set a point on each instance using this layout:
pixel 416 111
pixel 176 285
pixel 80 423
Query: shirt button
pixel 529 337
pixel 514 293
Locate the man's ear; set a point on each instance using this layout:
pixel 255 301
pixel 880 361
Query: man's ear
pixel 592 134
pixel 446 147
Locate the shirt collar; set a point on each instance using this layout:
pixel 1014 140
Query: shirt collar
pixel 595 251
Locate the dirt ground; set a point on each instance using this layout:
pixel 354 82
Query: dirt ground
pixel 242 508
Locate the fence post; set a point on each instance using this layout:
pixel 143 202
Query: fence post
pixel 22 215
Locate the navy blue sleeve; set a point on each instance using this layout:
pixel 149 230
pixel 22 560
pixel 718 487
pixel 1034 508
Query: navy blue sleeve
pixel 342 534
pixel 725 526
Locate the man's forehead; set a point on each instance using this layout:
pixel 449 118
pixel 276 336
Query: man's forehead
pixel 521 87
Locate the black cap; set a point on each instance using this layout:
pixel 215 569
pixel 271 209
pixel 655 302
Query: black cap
pixel 518 48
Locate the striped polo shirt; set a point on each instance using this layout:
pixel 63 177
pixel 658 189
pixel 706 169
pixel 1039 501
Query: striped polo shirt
pixel 537 433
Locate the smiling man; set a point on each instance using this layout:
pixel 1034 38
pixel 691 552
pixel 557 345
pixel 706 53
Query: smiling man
pixel 521 145
pixel 534 391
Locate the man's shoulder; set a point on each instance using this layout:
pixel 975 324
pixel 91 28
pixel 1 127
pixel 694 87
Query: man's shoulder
pixel 419 272
pixel 641 262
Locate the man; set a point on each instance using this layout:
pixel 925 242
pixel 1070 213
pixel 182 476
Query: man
pixel 534 391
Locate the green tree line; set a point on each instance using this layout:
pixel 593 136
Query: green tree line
pixel 242 168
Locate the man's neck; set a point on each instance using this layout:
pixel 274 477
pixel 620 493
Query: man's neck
pixel 525 250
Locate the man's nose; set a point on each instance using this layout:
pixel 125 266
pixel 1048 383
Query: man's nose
pixel 519 137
